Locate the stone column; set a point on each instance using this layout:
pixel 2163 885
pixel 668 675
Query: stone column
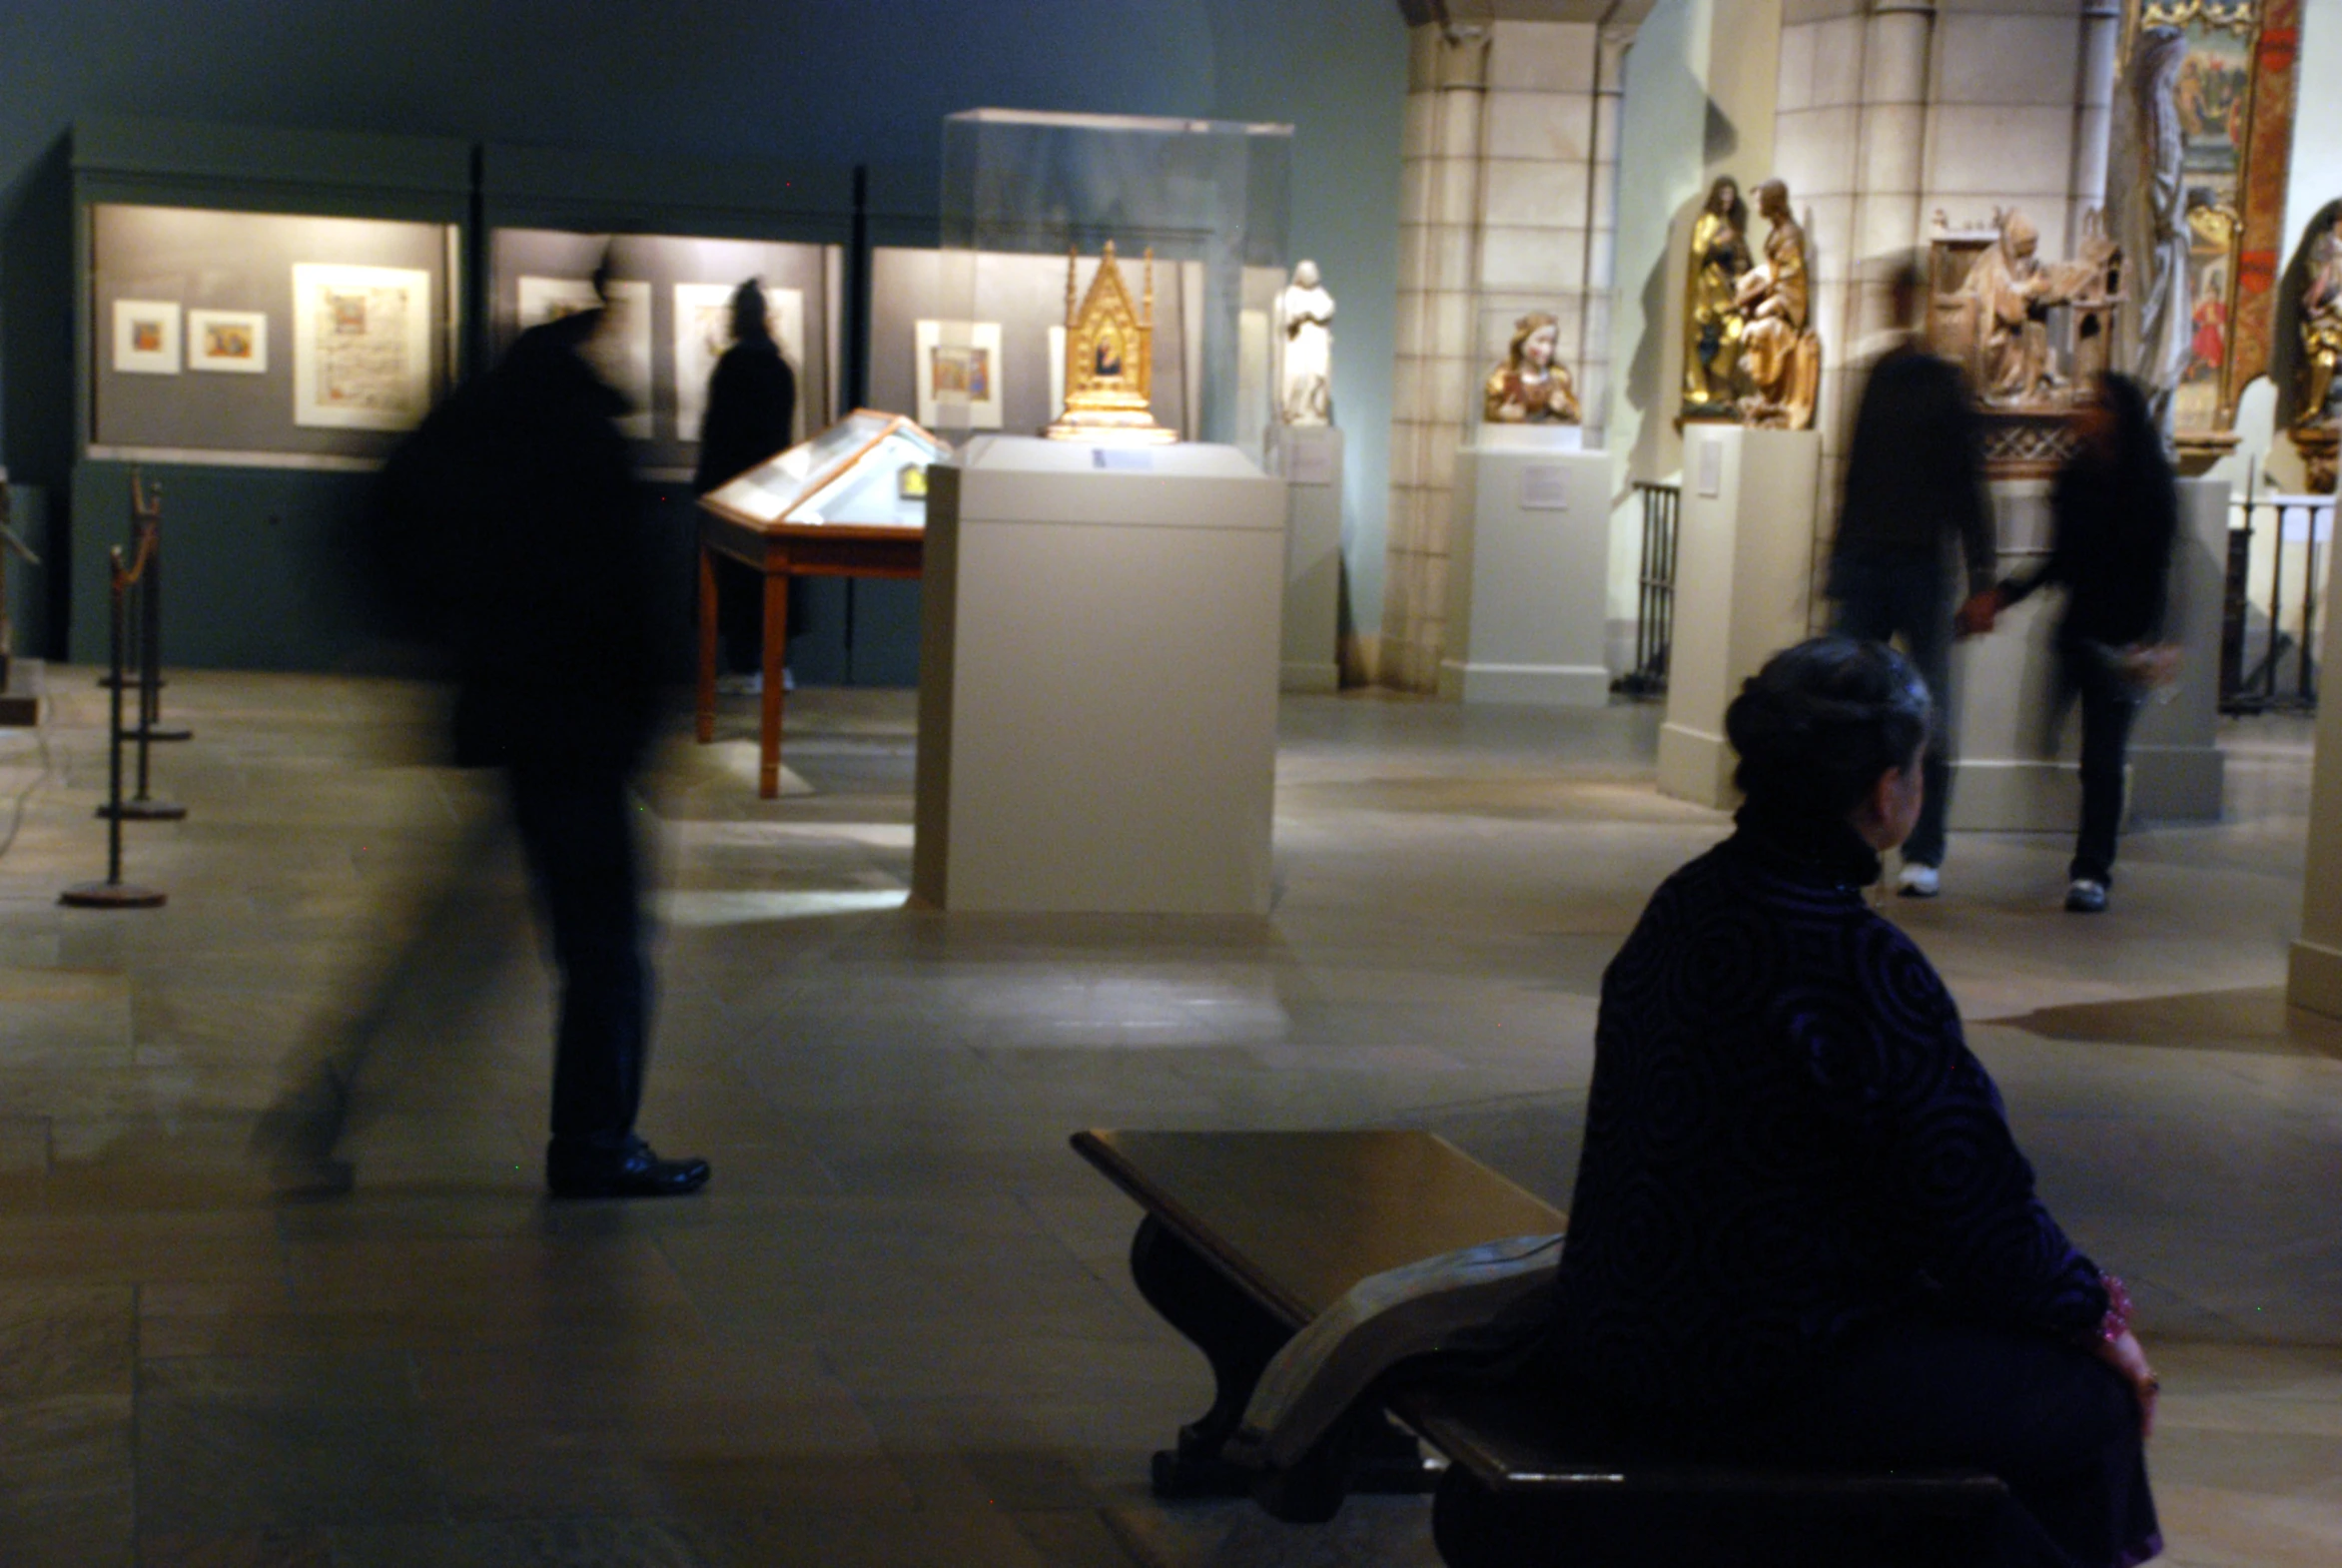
pixel 2094 113
pixel 1890 174
pixel 1610 50
pixel 1440 204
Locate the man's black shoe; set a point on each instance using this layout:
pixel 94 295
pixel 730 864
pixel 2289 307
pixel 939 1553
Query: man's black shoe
pixel 640 1173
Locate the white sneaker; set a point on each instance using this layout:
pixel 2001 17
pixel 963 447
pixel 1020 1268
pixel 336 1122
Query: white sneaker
pixel 1918 881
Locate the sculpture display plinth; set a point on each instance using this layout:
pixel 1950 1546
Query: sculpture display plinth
pixel 1098 681
pixel 1528 576
pixel 1109 362
pixel 1741 587
pixel 1309 456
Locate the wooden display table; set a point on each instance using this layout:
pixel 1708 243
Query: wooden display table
pixel 780 551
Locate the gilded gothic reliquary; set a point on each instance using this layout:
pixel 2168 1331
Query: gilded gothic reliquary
pixel 1110 361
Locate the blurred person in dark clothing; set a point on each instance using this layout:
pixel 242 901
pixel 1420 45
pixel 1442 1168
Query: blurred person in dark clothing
pixel 751 408
pixel 506 534
pixel 2114 513
pixel 1914 487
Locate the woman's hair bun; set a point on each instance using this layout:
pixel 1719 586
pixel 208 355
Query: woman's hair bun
pixel 1818 725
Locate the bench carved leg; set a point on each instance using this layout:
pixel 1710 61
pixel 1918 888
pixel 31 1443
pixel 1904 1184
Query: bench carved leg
pixel 1239 1337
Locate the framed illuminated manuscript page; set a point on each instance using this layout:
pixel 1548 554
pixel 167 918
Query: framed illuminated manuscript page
pixel 362 346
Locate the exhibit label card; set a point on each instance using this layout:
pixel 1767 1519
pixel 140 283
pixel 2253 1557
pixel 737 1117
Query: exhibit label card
pixel 1544 487
pixel 145 336
pixel 1308 462
pixel 362 346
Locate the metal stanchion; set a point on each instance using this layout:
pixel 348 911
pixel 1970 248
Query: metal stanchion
pixel 114 893
pixel 144 635
pixel 145 626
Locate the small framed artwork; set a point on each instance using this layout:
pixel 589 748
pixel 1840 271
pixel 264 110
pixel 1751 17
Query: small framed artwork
pixel 232 341
pixel 145 336
pixel 959 373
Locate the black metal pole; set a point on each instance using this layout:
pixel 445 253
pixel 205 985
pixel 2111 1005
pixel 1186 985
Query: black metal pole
pixel 113 741
pixel 113 893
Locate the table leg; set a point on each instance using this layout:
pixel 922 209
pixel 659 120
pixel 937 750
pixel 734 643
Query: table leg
pixel 706 694
pixel 776 663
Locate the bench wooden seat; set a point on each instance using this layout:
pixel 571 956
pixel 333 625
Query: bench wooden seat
pixel 1248 1235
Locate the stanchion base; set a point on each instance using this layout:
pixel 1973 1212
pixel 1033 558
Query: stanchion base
pixel 158 734
pixel 110 895
pixel 146 811
pixel 132 682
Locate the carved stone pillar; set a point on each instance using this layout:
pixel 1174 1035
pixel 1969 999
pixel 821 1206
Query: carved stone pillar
pixel 1439 220
pixel 2094 113
pixel 1892 130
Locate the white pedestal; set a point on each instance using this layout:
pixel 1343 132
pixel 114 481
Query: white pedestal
pixel 1309 456
pixel 1098 680
pixel 1528 576
pixel 2006 777
pixel 1742 577
pixel 2313 977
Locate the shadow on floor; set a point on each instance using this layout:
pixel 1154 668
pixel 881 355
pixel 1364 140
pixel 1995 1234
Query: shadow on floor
pixel 2253 1019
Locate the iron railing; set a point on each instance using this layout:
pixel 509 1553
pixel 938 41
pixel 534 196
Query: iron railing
pixel 2273 610
pixel 1655 603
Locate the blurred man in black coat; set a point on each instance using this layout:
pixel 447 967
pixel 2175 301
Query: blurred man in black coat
pixel 510 534
pixel 1915 489
pixel 751 405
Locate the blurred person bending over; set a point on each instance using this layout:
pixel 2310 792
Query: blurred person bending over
pixel 751 409
pixel 1915 485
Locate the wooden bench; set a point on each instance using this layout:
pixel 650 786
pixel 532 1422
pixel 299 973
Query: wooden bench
pixel 1250 1236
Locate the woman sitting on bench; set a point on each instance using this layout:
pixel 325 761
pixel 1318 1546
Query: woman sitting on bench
pixel 1802 1234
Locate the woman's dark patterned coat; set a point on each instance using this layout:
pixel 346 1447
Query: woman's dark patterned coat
pixel 1788 1138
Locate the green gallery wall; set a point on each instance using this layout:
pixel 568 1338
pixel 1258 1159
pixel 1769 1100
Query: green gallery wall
pixel 821 83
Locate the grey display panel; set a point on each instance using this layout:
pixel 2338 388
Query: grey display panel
pixel 663 262
pixel 1028 295
pixel 204 259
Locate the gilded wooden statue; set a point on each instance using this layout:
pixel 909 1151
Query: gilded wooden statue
pixel 2308 357
pixel 1781 354
pixel 1529 388
pixel 1712 315
pixel 1110 361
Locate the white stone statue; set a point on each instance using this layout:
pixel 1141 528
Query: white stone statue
pixel 1304 315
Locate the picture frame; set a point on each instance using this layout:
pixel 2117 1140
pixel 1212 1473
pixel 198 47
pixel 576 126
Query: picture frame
pixel 957 372
pixel 233 341
pixel 703 330
pixel 362 346
pixel 145 336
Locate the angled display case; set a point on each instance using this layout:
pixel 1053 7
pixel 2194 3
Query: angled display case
pixel 851 503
